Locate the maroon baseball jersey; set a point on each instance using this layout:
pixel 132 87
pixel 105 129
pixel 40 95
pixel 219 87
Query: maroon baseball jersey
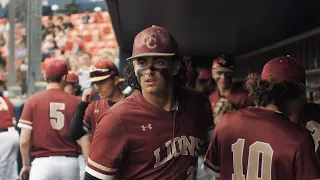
pixel 135 140
pixel 238 97
pixel 6 113
pixel 309 117
pixel 254 143
pixel 93 113
pixel 49 114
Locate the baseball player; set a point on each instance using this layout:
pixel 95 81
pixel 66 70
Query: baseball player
pixel 44 124
pixel 226 97
pixel 156 132
pixel 105 76
pixel 9 137
pixel 204 82
pixel 261 142
pixel 72 85
pixel 309 117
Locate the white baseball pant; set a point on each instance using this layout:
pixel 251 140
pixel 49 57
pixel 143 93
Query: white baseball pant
pixel 9 146
pixel 82 166
pixel 54 168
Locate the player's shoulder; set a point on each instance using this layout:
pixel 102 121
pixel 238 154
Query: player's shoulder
pixel 240 91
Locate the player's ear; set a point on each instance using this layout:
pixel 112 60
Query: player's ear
pixel 176 67
pixel 45 76
pixel 116 80
pixel 134 68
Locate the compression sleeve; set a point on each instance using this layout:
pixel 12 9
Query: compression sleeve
pixel 76 130
pixel 89 177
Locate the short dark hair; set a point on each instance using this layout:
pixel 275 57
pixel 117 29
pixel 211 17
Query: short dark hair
pixel 271 91
pixel 54 79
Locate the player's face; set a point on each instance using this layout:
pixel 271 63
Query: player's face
pixel 68 88
pixel 105 88
pixel 154 74
pixel 222 79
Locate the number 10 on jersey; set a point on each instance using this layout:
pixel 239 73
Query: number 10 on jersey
pixel 253 167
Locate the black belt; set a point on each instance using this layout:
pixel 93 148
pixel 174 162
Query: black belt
pixel 3 130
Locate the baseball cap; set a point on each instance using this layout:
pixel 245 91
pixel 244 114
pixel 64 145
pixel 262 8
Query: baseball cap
pixel 284 68
pixel 55 67
pixel 222 64
pixel 72 78
pixel 153 41
pixel 204 74
pixel 103 69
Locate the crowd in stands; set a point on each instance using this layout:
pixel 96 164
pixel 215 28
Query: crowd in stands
pixel 79 39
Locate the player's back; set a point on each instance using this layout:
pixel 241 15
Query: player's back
pixel 259 143
pixel 51 113
pixel 309 117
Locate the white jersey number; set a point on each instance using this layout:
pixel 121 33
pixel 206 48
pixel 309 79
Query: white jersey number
pixel 56 117
pixel 3 105
pixel 255 150
pixel 314 127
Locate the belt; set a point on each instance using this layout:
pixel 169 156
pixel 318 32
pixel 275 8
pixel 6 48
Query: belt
pixel 3 130
pixel 7 129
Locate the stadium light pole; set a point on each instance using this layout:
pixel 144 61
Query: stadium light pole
pixel 12 16
pixel 34 38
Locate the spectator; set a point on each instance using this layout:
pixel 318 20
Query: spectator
pixel 86 17
pixel 67 25
pixel 2 40
pixel 3 62
pixel 85 63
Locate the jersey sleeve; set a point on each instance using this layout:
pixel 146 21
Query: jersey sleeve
pixel 211 162
pixel 26 120
pixel 87 118
pixel 107 148
pixel 307 165
pixel 11 110
pixel 208 114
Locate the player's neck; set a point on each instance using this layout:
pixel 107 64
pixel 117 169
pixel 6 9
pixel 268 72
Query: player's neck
pixel 271 107
pixel 163 100
pixel 225 91
pixel 116 96
pixel 53 86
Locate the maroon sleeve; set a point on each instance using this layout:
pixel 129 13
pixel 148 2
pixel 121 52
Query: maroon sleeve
pixel 11 108
pixel 26 119
pixel 211 161
pixel 108 146
pixel 306 164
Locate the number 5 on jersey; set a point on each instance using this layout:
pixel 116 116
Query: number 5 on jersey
pixel 253 168
pixel 56 116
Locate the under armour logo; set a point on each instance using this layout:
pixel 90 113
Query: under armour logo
pixel 96 111
pixel 145 127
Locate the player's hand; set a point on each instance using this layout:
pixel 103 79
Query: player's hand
pixel 88 95
pixel 222 107
pixel 24 172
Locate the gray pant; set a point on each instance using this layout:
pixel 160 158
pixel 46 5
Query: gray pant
pixel 201 174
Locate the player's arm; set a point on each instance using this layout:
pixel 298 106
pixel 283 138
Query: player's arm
pixel 85 143
pixel 26 125
pixel 107 150
pixel 76 128
pixel 11 110
pixel 306 164
pixel 25 143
